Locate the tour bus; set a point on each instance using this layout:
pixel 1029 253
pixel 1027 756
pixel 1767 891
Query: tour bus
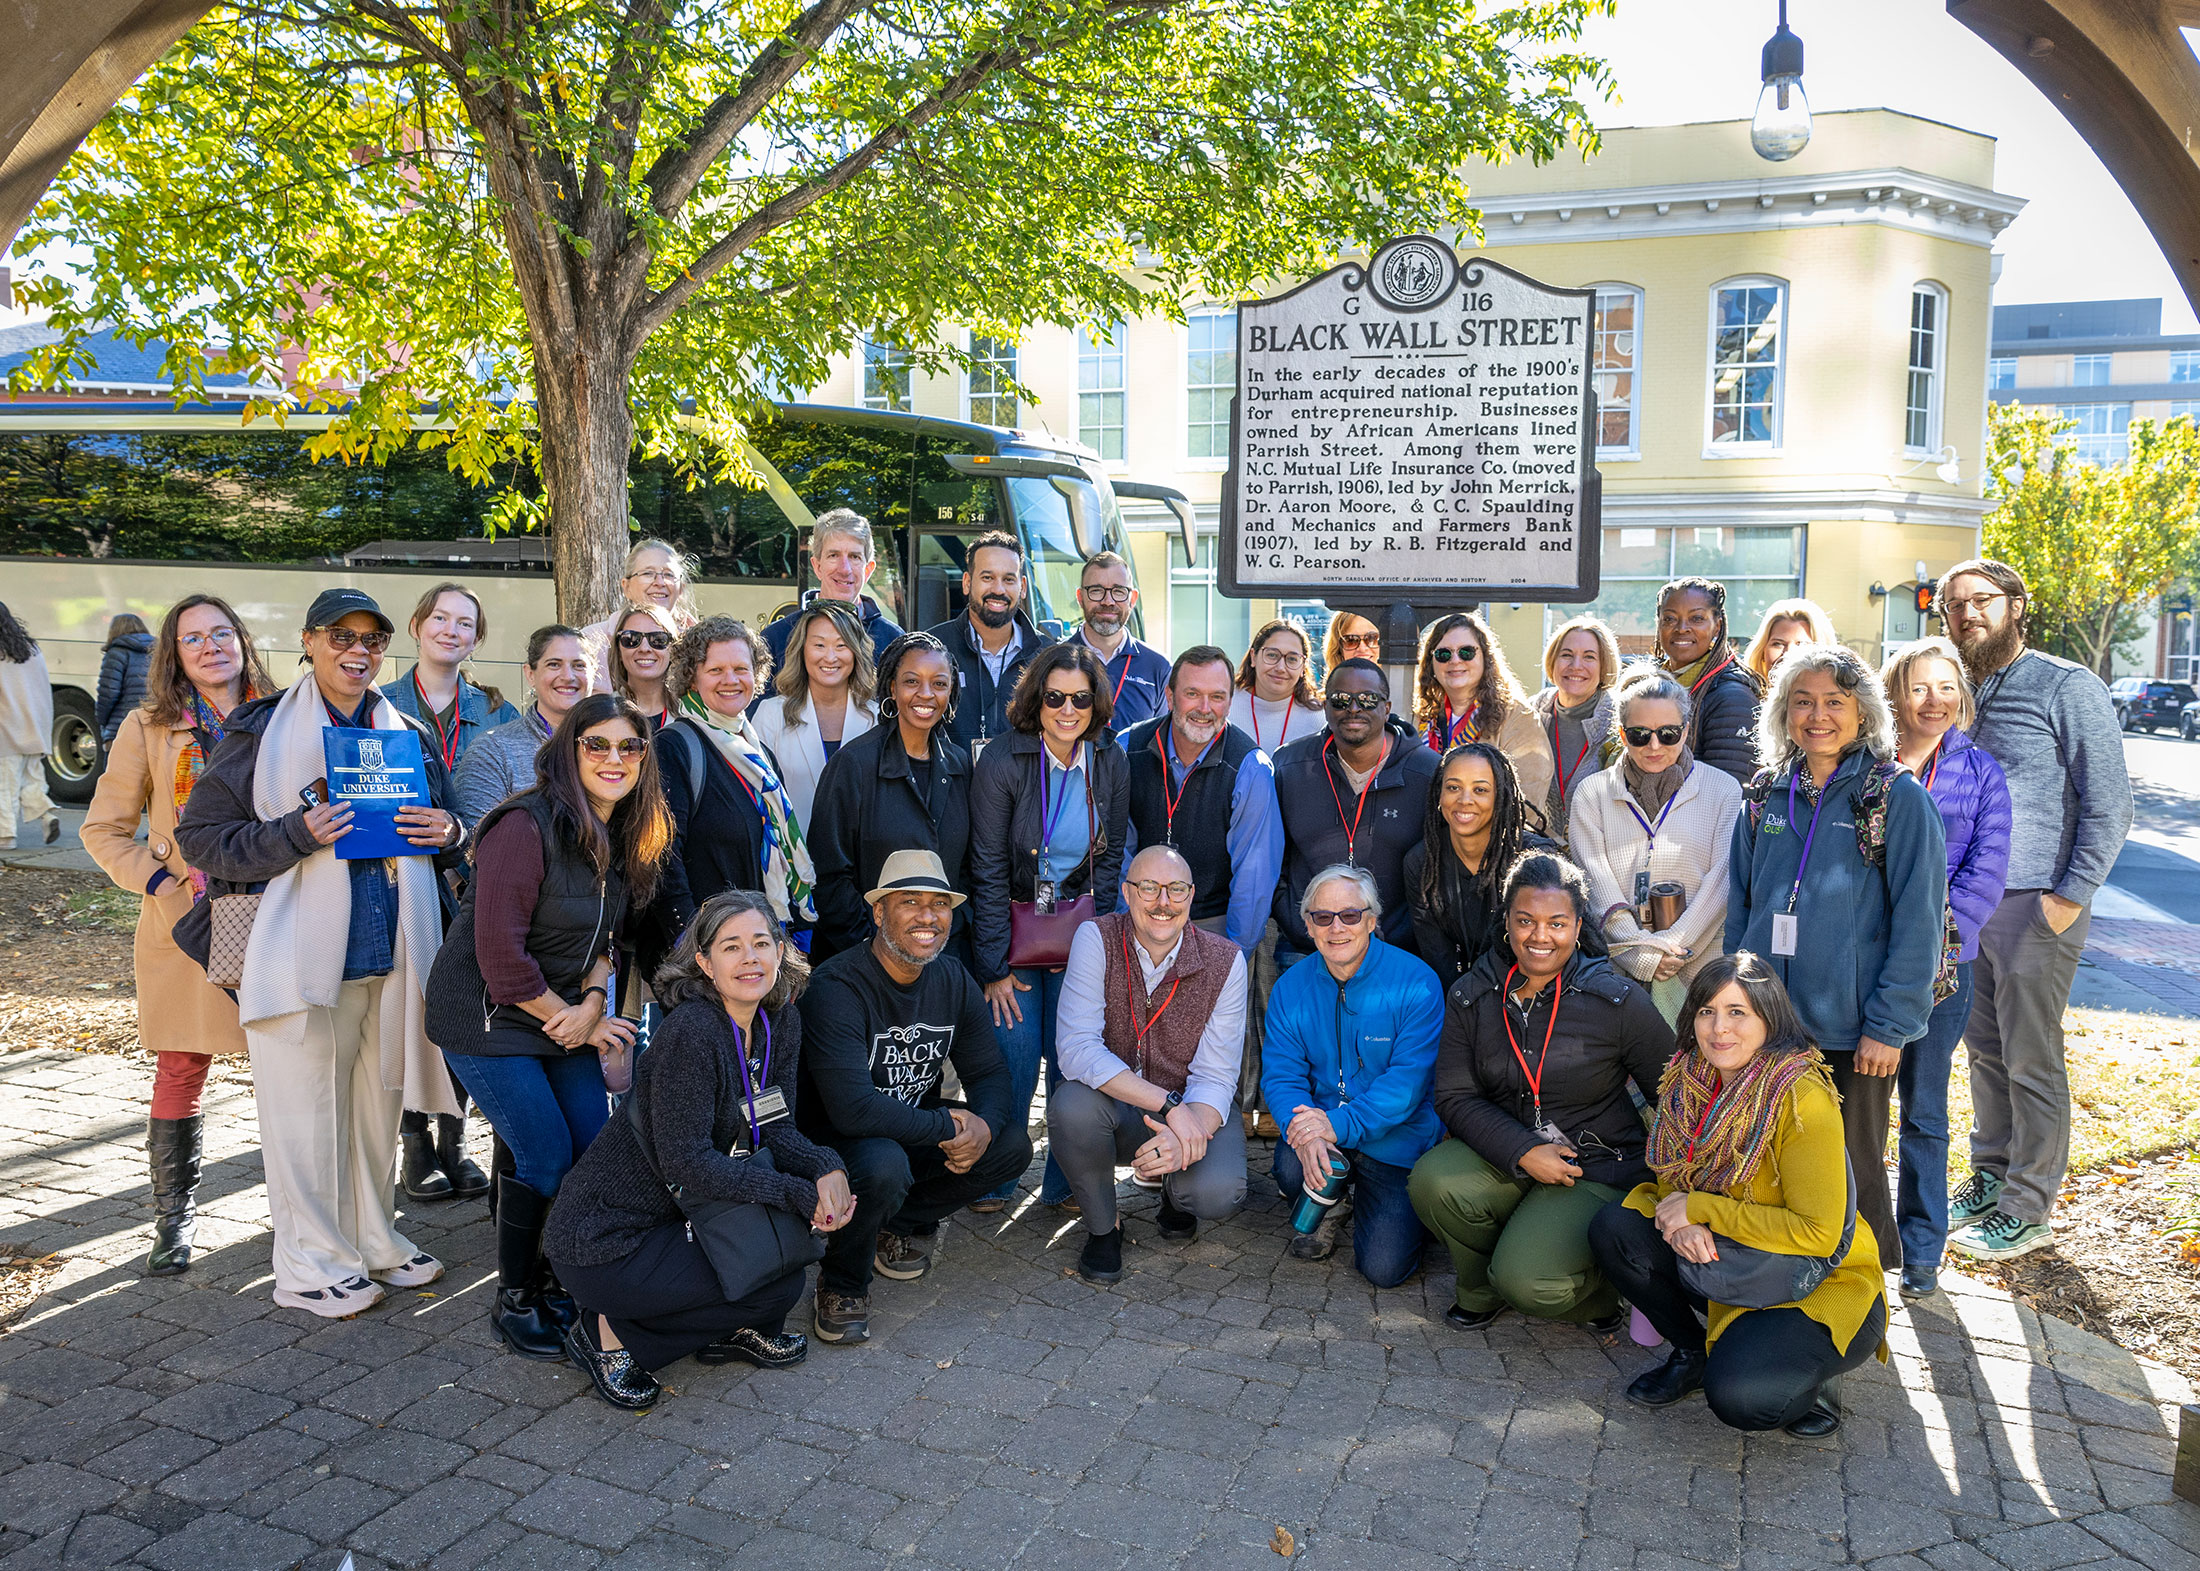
pixel 129 505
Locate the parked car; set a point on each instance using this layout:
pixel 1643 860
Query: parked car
pixel 2146 703
pixel 2188 723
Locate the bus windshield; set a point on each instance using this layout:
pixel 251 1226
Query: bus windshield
pixel 1052 563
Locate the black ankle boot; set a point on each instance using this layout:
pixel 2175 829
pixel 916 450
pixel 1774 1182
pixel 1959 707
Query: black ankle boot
pixel 173 1148
pixel 467 1180
pixel 419 1174
pixel 555 1298
pixel 521 1318
pixel 1680 1374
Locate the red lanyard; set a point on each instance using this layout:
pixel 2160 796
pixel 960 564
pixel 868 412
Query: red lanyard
pixel 1351 830
pixel 1252 705
pixel 1718 1095
pixel 1535 1075
pixel 342 721
pixel 446 745
pixel 1131 976
pixel 1565 774
pixel 1933 772
pixel 1167 748
pixel 1450 731
pixel 1697 686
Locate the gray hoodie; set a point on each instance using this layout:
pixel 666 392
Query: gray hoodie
pixel 2051 727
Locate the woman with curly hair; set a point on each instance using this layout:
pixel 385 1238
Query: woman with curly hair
pixel 1463 691
pixel 1694 649
pixel 1476 828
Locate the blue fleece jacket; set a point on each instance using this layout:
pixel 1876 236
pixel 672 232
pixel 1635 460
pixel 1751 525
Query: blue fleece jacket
pixel 1868 938
pixel 1366 1058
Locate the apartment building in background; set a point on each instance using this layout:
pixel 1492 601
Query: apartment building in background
pixel 1791 363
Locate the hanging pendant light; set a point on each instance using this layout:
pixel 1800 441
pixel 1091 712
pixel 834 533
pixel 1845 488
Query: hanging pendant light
pixel 1781 127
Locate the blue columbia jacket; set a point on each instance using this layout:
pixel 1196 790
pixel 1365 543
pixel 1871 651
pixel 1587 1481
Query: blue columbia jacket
pixel 1365 1053
pixel 1868 938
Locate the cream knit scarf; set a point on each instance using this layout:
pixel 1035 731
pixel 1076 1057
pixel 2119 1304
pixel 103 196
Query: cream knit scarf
pixel 295 959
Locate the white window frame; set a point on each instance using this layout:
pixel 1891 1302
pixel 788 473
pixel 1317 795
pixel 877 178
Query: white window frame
pixel 1993 383
pixel 1116 349
pixel 2107 363
pixel 2187 361
pixel 891 357
pixel 1632 451
pixel 1935 371
pixel 1014 364
pixel 1218 461
pixel 1744 449
pixel 2119 433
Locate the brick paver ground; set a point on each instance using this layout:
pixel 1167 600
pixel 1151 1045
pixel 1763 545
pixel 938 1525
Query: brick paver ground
pixel 1004 1415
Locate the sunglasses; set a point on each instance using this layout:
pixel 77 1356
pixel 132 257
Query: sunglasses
pixel 342 638
pixel 1466 656
pixel 636 640
pixel 1640 735
pixel 1356 640
pixel 1055 698
pixel 1153 889
pixel 1352 918
pixel 1342 703
pixel 628 747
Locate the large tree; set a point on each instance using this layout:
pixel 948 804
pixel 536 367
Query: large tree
pixel 2096 543
pixel 546 223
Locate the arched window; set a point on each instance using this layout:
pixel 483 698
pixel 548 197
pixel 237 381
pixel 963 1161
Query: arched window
pixel 1748 363
pixel 1928 368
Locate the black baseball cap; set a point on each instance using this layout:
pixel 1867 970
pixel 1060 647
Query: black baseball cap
pixel 331 606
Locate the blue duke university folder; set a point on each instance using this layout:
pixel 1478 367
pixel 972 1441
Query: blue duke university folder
pixel 377 772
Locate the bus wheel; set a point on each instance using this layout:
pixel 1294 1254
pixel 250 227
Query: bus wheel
pixel 73 763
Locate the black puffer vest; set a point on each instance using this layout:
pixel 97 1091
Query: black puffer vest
pixel 575 915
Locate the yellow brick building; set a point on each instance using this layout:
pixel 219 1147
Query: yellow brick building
pixel 1793 356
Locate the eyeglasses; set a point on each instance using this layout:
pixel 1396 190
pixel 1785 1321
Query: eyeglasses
pixel 1108 594
pixel 1056 697
pixel 655 575
pixel 1289 659
pixel 220 637
pixel 630 747
pixel 1351 918
pixel 1356 640
pixel 636 640
pixel 1977 603
pixel 1466 656
pixel 1640 735
pixel 342 638
pixel 1153 889
pixel 1341 703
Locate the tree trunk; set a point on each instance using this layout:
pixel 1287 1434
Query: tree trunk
pixel 587 434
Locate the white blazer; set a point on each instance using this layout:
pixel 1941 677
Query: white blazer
pixel 800 749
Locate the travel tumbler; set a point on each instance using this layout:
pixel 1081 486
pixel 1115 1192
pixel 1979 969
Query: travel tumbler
pixel 1312 1206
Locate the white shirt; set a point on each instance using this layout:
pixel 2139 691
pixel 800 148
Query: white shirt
pixel 1271 724
pixel 800 749
pixel 995 664
pixel 1081 1047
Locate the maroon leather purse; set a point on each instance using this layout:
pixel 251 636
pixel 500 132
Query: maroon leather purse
pixel 1039 940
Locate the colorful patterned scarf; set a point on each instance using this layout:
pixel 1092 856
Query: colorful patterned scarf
pixel 1712 1136
pixel 206 728
pixel 787 865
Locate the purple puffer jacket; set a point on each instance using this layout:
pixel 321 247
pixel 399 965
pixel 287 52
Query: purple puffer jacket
pixel 1973 799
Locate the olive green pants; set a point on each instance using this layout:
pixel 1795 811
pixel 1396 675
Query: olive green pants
pixel 1512 1240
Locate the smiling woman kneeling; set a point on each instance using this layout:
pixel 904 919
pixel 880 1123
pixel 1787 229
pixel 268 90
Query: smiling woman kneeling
pixel 711 1116
pixel 1751 1180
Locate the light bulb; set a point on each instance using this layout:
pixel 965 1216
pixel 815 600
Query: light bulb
pixel 1781 127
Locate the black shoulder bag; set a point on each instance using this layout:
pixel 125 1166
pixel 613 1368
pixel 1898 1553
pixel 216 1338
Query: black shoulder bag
pixel 749 1244
pixel 1746 1277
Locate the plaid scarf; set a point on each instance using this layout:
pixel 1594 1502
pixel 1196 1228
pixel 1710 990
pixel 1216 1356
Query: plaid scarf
pixel 1708 1135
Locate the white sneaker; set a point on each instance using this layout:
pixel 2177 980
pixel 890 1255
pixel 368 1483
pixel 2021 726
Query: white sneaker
pixel 339 1302
pixel 419 1271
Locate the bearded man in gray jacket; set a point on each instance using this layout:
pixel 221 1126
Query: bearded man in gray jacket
pixel 2051 727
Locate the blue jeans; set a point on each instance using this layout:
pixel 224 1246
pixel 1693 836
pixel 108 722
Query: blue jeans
pixel 546 1110
pixel 1921 1184
pixel 1387 1234
pixel 1026 1045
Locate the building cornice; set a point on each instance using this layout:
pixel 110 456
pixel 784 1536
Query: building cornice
pixel 1732 509
pixel 1899 198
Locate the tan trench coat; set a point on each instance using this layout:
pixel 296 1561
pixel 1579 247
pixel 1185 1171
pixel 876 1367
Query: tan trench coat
pixel 179 1011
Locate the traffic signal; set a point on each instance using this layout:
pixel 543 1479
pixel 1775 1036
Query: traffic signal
pixel 1923 596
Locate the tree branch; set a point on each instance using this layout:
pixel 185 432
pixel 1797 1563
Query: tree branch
pixel 672 179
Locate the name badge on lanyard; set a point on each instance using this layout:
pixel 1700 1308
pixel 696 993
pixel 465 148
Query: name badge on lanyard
pixel 1783 933
pixel 1783 922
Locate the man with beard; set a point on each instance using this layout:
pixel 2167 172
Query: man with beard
pixel 1136 670
pixel 2051 727
pixel 1205 788
pixel 841 559
pixel 1357 795
pixel 990 643
pixel 879 1025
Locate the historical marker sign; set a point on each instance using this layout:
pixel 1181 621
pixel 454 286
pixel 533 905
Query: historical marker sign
pixel 1416 430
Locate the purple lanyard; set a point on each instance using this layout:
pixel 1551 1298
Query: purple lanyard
pixel 748 1085
pixel 1816 808
pixel 1048 820
pixel 1651 829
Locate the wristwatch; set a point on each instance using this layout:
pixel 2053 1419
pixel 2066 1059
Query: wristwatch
pixel 1170 1102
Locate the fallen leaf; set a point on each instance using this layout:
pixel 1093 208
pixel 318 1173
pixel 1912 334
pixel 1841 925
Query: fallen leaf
pixel 1283 1543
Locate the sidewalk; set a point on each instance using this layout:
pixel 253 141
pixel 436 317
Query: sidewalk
pixel 1004 1415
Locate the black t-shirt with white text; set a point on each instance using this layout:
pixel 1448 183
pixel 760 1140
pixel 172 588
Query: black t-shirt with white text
pixel 874 1051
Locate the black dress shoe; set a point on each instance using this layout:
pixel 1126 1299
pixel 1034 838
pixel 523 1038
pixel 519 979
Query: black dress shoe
pixel 618 1379
pixel 1679 1375
pixel 1175 1225
pixel 750 1346
pixel 1471 1319
pixel 1822 1420
pixel 1101 1260
pixel 1606 1325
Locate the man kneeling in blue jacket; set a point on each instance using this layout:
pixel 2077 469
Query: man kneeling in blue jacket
pixel 1349 1057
